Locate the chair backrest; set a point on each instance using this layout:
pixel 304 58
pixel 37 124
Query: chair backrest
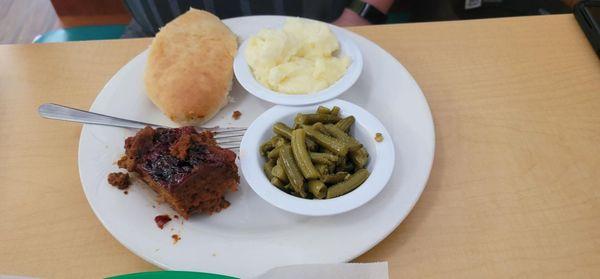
pixel 82 33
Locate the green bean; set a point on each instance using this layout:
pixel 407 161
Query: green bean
pixel 301 155
pixel 291 192
pixel 281 185
pixel 312 118
pixel 286 188
pixel 335 111
pixel 332 144
pixel 323 158
pixel 278 172
pixel 311 145
pixel 275 139
pixel 345 123
pixel 341 162
pixel 317 188
pixel 328 152
pixel 267 167
pixel 323 169
pixel 274 154
pixel 332 168
pixel 292 171
pixel 349 184
pixel 323 110
pixel 335 178
pixel 341 135
pixel 266 147
pixel 286 132
pixel 359 157
pixel 348 166
pixel 282 130
pixel 278 183
pixel 321 128
pixel 279 142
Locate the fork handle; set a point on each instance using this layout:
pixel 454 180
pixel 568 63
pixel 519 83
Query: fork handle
pixel 58 112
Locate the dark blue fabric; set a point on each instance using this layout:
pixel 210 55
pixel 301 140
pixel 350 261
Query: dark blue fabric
pixel 150 15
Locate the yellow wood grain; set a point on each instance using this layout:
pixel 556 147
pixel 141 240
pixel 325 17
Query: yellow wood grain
pixel 514 190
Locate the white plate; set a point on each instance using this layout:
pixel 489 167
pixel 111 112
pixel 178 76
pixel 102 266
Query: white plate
pixel 251 235
pixel 380 165
pixel 347 48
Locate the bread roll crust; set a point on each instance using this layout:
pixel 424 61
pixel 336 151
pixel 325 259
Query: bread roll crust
pixel 189 69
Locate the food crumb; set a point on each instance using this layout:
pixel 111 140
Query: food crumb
pixel 176 216
pixel 153 206
pixel 119 180
pixel 236 115
pixel 125 192
pixel 161 220
pixel 378 137
pixel 214 254
pixel 175 238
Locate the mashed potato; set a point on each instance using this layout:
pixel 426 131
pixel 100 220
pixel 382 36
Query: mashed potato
pixel 297 59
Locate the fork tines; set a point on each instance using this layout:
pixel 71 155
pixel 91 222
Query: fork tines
pixel 229 145
pixel 228 137
pixel 218 130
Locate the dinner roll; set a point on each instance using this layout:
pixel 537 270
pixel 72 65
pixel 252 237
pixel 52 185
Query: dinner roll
pixel 189 72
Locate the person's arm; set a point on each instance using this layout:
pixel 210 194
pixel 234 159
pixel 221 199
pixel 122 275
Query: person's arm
pixel 350 18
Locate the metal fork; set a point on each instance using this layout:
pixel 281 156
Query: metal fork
pixel 227 137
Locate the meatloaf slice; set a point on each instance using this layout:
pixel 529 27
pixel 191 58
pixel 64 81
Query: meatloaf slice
pixel 186 168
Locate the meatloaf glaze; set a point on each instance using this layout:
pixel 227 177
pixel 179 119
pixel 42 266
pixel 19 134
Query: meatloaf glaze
pixel 186 168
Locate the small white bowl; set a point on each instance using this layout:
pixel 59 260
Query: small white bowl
pixel 348 48
pixel 380 165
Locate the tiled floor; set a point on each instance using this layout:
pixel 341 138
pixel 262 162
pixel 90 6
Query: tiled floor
pixel 22 20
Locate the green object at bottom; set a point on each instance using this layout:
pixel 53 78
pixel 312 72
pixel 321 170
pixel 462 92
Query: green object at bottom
pixel 82 33
pixel 172 274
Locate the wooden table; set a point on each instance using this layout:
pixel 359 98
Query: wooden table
pixel 514 190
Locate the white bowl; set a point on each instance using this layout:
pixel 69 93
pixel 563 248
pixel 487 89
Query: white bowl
pixel 380 165
pixel 348 48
